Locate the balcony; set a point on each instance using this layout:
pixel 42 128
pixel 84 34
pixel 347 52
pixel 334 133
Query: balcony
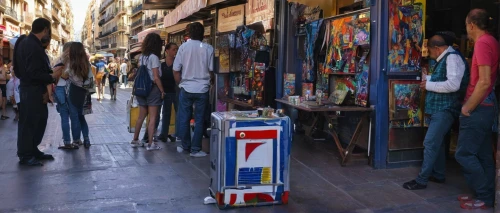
pixel 160 20
pixel 11 14
pixel 104 5
pixel 136 23
pixel 55 33
pixel 107 33
pixel 28 19
pixel 39 13
pixel 3 5
pixel 47 14
pixel 151 20
pixel 121 10
pixel 55 15
pixel 122 27
pixel 105 46
pixel 98 48
pixel 136 9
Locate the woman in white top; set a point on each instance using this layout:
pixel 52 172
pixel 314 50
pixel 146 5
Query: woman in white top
pixel 61 99
pixel 13 93
pixel 151 51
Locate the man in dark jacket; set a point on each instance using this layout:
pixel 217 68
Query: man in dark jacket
pixel 32 67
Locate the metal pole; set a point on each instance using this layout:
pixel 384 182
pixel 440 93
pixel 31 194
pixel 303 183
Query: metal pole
pixel 283 10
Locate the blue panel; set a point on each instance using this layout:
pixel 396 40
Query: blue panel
pixel 250 175
pixel 230 161
pixel 379 86
pixel 275 159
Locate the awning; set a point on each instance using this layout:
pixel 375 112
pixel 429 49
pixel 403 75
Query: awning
pixel 135 50
pixel 141 35
pixel 189 10
pixel 105 54
pixel 159 4
pixel 178 27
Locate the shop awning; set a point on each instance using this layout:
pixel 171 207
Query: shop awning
pixel 135 50
pixel 141 35
pixel 191 10
pixel 159 4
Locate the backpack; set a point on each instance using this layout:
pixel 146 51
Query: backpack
pixel 142 82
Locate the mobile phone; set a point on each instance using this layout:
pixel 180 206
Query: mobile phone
pixel 59 65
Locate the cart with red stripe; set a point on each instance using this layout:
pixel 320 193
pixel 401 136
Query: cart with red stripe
pixel 250 159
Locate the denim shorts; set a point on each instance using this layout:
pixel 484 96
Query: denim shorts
pixel 153 99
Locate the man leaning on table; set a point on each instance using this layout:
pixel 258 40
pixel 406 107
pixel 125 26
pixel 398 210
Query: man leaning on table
pixel 445 87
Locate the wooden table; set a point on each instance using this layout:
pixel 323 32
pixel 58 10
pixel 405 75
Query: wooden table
pixel 326 111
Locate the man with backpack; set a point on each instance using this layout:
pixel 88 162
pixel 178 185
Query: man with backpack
pixel 195 59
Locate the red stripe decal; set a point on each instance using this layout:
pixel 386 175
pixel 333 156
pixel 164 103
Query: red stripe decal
pixel 257 134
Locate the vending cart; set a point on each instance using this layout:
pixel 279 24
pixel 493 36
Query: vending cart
pixel 250 159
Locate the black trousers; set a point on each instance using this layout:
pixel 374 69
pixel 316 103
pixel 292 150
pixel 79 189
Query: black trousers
pixel 33 116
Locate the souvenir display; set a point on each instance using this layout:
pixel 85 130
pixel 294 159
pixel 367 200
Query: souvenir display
pixel 312 30
pixel 289 84
pixel 406 35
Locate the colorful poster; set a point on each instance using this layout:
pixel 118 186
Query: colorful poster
pixel 224 53
pixel 344 35
pixel 406 35
pixel 344 89
pixel 312 30
pixel 289 84
pixel 307 88
pixel 405 105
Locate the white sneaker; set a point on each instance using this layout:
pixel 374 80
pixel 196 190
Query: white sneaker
pixel 198 154
pixel 180 149
pixel 136 143
pixel 152 147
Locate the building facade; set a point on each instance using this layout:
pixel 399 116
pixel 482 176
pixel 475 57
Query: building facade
pixel 16 17
pixel 113 26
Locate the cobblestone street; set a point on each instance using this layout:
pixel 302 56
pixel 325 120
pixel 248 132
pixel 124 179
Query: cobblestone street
pixel 113 177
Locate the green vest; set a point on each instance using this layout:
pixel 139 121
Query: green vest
pixel 436 102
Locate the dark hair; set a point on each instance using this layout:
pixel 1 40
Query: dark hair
pixel 481 19
pixel 78 61
pixel 152 45
pixel 39 25
pixel 169 45
pixel 437 41
pixel 448 36
pixel 196 31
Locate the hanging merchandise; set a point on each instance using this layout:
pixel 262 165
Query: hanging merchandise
pixel 406 35
pixel 312 30
pixel 223 48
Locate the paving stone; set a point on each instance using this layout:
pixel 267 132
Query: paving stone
pixel 111 176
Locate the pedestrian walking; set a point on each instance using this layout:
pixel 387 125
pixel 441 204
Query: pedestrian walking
pixel 3 88
pixel 148 106
pixel 445 86
pixel 195 59
pixel 34 77
pixel 113 77
pixel 81 80
pixel 100 78
pixel 479 113
pixel 124 72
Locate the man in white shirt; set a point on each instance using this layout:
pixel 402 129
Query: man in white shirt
pixel 445 88
pixel 195 59
pixel 123 72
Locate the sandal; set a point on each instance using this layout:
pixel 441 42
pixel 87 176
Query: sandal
pixel 464 198
pixel 473 204
pixel 4 117
pixel 68 146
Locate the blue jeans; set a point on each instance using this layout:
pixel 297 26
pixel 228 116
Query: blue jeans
pixel 475 152
pixel 124 80
pixel 434 147
pixel 78 123
pixel 168 100
pixel 184 113
pixel 63 109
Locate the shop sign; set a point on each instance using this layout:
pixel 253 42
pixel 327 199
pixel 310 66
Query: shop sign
pixel 12 30
pixel 230 18
pixel 208 31
pixel 185 9
pixel 259 10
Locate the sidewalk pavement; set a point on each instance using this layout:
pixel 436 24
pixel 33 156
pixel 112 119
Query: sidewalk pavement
pixel 113 177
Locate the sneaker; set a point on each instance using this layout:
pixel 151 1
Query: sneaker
pixel 473 204
pixel 413 185
pixel 180 149
pixel 86 144
pixel 162 138
pixel 152 147
pixel 78 142
pixel 136 143
pixel 172 138
pixel 198 154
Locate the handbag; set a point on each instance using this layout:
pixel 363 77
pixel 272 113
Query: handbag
pixel 77 95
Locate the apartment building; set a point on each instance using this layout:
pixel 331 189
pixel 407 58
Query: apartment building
pixel 137 20
pixel 113 27
pixel 90 29
pixel 16 17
